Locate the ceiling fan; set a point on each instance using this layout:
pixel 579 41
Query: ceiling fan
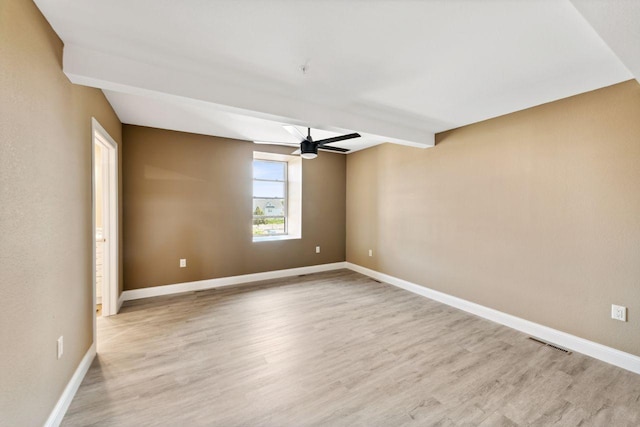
pixel 308 147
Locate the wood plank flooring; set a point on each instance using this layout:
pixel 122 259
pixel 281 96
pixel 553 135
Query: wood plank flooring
pixel 335 349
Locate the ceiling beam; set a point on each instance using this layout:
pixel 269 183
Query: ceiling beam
pixel 224 91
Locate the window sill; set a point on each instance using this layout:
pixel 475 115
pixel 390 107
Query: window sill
pixel 275 238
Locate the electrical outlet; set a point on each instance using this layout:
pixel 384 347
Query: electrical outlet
pixel 317 249
pixel 619 312
pixel 370 252
pixel 183 262
pixel 60 346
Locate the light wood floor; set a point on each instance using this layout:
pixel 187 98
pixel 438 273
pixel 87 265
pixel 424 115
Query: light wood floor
pixel 335 349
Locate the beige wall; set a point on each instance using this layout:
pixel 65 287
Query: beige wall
pixel 45 215
pixel 536 214
pixel 190 196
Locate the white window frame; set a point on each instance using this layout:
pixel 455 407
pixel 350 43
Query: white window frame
pixel 293 196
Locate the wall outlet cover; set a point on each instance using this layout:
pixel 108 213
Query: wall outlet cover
pixel 317 249
pixel 619 312
pixel 183 262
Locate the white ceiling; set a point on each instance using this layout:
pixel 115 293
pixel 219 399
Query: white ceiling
pixel 618 23
pixel 395 71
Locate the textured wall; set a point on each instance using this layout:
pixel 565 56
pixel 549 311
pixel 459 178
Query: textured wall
pixel 45 215
pixel 536 214
pixel 190 196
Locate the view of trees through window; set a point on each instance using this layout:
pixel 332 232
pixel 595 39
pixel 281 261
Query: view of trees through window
pixel 269 198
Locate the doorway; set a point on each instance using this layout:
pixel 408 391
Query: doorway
pixel 105 221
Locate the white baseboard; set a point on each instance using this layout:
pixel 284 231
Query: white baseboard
pixel 610 355
pixel 120 301
pixel 226 281
pixel 70 390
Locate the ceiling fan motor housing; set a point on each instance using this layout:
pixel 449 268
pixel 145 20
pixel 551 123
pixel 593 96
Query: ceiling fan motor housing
pixel 309 148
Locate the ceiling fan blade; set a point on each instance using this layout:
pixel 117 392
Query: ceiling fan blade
pixel 330 148
pixel 295 132
pixel 288 144
pixel 296 152
pixel 338 138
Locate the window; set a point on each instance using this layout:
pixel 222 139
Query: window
pixel 277 197
pixel 269 198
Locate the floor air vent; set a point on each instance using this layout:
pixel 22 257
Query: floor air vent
pixel 554 347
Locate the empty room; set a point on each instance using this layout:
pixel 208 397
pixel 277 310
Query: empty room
pixel 319 213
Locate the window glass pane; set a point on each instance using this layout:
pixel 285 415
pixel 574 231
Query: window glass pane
pixel 268 207
pixel 269 170
pixel 268 226
pixel 268 189
pixel 269 198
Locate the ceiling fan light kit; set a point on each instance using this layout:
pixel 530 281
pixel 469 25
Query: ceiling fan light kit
pixel 308 150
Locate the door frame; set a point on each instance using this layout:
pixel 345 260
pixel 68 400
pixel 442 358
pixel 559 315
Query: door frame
pixel 110 280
